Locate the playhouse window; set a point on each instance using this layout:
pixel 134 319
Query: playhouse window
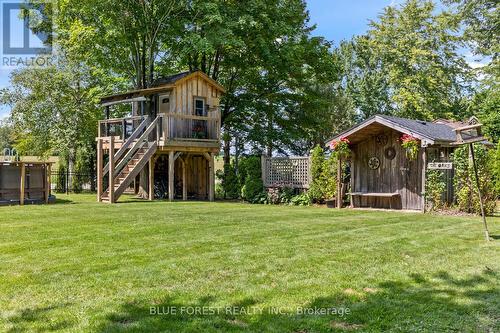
pixel 199 107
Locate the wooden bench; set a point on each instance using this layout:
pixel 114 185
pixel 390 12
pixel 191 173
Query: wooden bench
pixel 375 194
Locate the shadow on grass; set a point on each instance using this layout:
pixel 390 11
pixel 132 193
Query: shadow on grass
pixel 60 201
pixel 438 303
pixel 41 317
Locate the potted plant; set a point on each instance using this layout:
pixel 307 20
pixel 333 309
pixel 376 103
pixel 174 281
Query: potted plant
pixel 411 145
pixel 199 132
pixel 341 148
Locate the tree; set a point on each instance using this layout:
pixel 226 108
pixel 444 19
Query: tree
pixel 53 109
pixel 261 52
pixel 128 39
pixel 364 78
pixel 481 32
pixel 409 64
pixel 6 136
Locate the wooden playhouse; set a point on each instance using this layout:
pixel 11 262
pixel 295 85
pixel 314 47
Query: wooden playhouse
pixel 171 135
pixel 381 173
pixel 24 182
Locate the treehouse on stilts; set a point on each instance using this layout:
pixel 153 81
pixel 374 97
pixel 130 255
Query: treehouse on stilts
pixel 166 146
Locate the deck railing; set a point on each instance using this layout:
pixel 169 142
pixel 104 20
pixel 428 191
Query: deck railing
pixel 120 127
pixel 177 126
pixel 171 126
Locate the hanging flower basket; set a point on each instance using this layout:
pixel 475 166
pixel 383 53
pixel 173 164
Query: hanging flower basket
pixel 341 148
pixel 410 145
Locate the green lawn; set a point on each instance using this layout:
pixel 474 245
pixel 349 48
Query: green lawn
pixel 83 266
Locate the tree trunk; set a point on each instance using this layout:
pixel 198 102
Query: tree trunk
pixel 227 149
pixel 71 168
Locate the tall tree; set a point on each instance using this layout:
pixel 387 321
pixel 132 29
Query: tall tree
pixel 364 77
pixel 409 64
pixel 53 109
pixel 480 21
pixel 6 135
pixel 262 53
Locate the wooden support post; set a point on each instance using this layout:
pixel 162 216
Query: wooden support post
pixel 424 176
pixel 47 182
pixel 106 130
pixel 99 169
pixel 184 180
pixel 353 180
pixel 339 183
pixel 23 184
pixel 211 178
pixel 111 171
pixel 158 130
pixel 151 187
pixel 485 225
pixel 171 168
pixel 124 129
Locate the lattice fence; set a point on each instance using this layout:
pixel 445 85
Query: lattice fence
pixel 293 172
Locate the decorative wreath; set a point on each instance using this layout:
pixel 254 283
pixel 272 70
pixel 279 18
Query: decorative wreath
pixel 390 153
pixel 381 139
pixel 373 163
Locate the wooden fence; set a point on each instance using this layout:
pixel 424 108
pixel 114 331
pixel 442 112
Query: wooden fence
pixel 292 172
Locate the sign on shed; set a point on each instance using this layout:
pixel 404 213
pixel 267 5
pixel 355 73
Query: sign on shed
pixel 440 165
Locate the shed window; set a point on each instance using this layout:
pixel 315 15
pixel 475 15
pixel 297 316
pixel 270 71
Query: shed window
pixel 199 107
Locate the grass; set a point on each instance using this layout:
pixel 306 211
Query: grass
pixel 81 266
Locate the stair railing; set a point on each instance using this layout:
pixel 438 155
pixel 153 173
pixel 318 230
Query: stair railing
pixel 127 143
pixel 137 145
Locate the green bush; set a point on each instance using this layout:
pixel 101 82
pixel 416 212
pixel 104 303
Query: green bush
pixel 434 188
pixel 61 177
pixel 230 186
pixel 317 162
pixel 494 160
pixel 251 178
pixel 302 199
pixel 285 195
pixel 465 181
pixel 323 174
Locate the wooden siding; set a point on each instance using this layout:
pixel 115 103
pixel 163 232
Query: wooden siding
pixel 182 96
pixel 196 174
pixel 397 175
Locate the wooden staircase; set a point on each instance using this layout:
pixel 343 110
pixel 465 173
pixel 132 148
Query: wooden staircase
pixel 128 161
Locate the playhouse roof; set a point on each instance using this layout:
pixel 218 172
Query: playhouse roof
pixel 440 131
pixel 161 84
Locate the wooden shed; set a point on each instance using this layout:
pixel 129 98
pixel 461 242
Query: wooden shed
pixel 24 182
pixel 172 133
pixel 382 175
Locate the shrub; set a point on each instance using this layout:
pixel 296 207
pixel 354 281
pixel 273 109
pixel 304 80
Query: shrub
pixel 252 179
pixel 329 177
pixel 302 199
pixel 434 188
pixel 285 195
pixel 465 182
pixel 317 163
pixel 323 174
pixel 494 161
pixel 61 177
pixel 230 187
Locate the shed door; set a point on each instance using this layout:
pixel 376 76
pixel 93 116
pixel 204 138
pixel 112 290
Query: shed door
pixel 412 177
